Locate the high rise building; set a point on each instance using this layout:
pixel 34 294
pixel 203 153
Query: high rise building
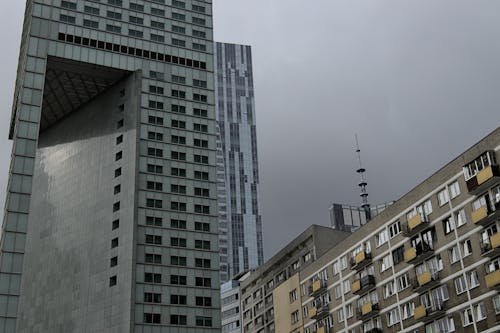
pixel 237 161
pixel 430 262
pixel 111 221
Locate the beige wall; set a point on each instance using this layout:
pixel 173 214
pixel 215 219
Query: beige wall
pixel 283 308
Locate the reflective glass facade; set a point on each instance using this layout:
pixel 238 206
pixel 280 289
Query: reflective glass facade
pixel 238 184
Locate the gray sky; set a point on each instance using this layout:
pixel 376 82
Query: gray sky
pixel 418 81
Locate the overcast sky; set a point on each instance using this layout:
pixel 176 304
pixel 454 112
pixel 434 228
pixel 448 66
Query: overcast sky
pixel 418 80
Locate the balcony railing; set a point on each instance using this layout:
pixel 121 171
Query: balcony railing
pixel 318 311
pixel 364 284
pixel 491 247
pixel 416 224
pixel 430 313
pixel 486 214
pixel 368 310
pixel 317 287
pixel 483 179
pixel 493 279
pixel 425 281
pixel 418 254
pixel 361 260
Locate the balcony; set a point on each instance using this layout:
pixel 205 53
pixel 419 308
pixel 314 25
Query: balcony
pixel 317 287
pixel 363 285
pixel 425 281
pixel 317 312
pixel 368 310
pixel 483 179
pixel 491 248
pixel 416 224
pixel 486 215
pixel 415 255
pixel 324 329
pixel 493 279
pixel 361 260
pixel 428 314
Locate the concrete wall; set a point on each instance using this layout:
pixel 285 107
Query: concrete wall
pixel 65 287
pixel 283 308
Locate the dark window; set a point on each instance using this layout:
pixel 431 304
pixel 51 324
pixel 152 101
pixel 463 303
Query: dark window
pixel 203 282
pixel 178 299
pixel 155 221
pixel 201 226
pixel 115 224
pixel 178 224
pixel 112 281
pixel 398 255
pixel 114 242
pixel 178 320
pixel 178 280
pixel 203 301
pixel 114 261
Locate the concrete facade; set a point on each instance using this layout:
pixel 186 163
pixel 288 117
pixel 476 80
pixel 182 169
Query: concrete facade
pixel 111 215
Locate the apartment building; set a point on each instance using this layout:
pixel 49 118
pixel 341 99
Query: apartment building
pixel 265 288
pixel 428 263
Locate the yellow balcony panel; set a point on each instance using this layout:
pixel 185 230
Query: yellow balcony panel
pixel 493 279
pixel 419 312
pixel 484 175
pixel 415 221
pixel 360 257
pixel 410 254
pixel 366 308
pixel 356 286
pixel 479 214
pixel 312 312
pixel 316 285
pixel 321 329
pixel 424 278
pixel 495 240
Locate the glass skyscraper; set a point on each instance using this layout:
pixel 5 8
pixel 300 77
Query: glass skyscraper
pixel 111 217
pixel 238 183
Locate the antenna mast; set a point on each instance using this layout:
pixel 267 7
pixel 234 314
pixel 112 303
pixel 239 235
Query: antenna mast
pixel 362 184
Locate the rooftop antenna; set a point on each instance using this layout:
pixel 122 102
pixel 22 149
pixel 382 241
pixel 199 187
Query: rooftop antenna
pixel 362 183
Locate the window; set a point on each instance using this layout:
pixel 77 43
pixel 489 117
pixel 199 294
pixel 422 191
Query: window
pixel 460 217
pixel 202 263
pixel 178 320
pixel 152 277
pixel 200 98
pixel 343 262
pixel 407 310
pixel 154 203
pixel 202 244
pixel 202 209
pixel 381 238
pixel 201 192
pixel 398 255
pixel 203 175
pixel 467 317
pixel 203 282
pixel 155 120
pixel 295 317
pixel 200 112
pixel 496 304
pixel 199 9
pixel 204 321
pixel 178 42
pixel 137 7
pixel 116 206
pixel 199 21
pixel 181 80
pixel 454 189
pixel 385 263
pixel 338 291
pixel 392 317
pixel 153 239
pixel 199 34
pixel 115 2
pixel 178 224
pixel 175 155
pixel 200 128
pixel 113 15
pixel 154 221
pixel 136 20
pixel 403 282
pixel 472 279
pixel 346 286
pixel 202 226
pixel 336 268
pixel 389 289
pixel 157 11
pixel 67 18
pixel 115 224
pixel 178 242
pixel 178 123
pixel 199 47
pixel 306 257
pixel 114 242
pixel 152 298
pixel 174 188
pixel 179 172
pixel 68 5
pixel 180 280
pixel 179 206
pixel 199 83
pixel 460 285
pixel 178 4
pixel 453 253
pixel 153 258
pixel 90 24
pixel 394 229
pixel 91 10
pixel 443 197
pixel 200 159
pixel 156 90
pixel 113 28
pixel 467 248
pixel 178 16
pixel 200 143
pixel 448 225
pixel 480 163
pixel 349 310
pixel 178 299
pixel 340 314
pixel 178 108
pixel 155 152
pixel 155 168
pixel 112 281
pixel 152 318
pixel 203 301
pixel 157 25
pixel 178 261
pixel 155 105
pixel 479 311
